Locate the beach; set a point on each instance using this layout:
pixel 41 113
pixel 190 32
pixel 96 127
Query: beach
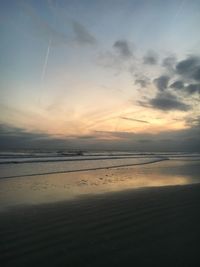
pixel 99 133
pixel 151 227
pixel 145 215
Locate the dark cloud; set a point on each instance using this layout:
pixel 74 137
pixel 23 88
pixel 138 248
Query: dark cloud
pixel 11 131
pixel 7 130
pixel 151 58
pixel 181 140
pixel 123 48
pixel 186 65
pixel 171 96
pixel 131 119
pixel 14 137
pixel 167 101
pixel 186 140
pixel 86 137
pixel 82 35
pixel 192 88
pixel 145 141
pixel 189 71
pixel 189 68
pixel 196 74
pixel 177 84
pixel 189 89
pixel 162 82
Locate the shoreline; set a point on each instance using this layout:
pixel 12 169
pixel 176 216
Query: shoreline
pixel 60 187
pixel 81 170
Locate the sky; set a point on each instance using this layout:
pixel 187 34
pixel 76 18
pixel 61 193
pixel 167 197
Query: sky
pixel 100 74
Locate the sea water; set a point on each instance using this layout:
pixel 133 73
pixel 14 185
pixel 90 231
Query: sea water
pixel 18 164
pixel 31 177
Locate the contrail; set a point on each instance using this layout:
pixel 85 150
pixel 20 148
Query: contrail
pixel 49 44
pixel 46 60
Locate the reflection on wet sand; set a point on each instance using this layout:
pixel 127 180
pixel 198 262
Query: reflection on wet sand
pixel 56 187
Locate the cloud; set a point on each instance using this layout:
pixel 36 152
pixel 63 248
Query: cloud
pixel 181 140
pixel 193 88
pixel 6 130
pixel 189 72
pixel 193 121
pixel 45 29
pixel 107 59
pixel 171 96
pixel 189 89
pixel 86 137
pixel 169 63
pixel 82 35
pixel 118 58
pixel 189 68
pixel 196 74
pixel 107 136
pixel 167 101
pixel 186 65
pixel 162 82
pixel 123 48
pixel 16 137
pixel 143 82
pixel 131 119
pixel 151 58
pixel 40 27
pixel 177 84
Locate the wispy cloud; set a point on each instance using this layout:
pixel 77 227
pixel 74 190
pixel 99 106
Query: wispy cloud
pixel 74 31
pixel 119 57
pixel 169 63
pixel 82 35
pixel 151 58
pixel 123 47
pixel 40 27
pixel 131 119
pixel 142 81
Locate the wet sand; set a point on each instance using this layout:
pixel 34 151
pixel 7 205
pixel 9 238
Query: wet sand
pixel 42 189
pixel 143 227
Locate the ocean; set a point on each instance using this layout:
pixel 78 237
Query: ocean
pixel 18 164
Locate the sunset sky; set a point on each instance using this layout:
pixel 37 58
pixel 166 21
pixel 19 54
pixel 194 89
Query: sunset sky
pixel 101 74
